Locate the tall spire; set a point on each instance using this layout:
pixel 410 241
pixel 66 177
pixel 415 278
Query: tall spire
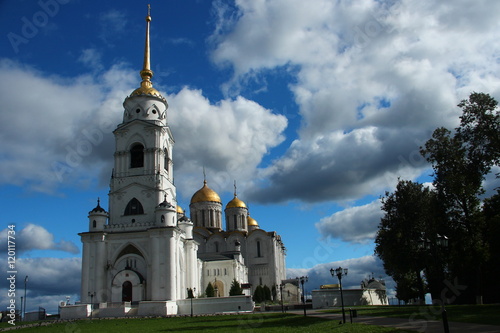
pixel 147 73
pixel 146 87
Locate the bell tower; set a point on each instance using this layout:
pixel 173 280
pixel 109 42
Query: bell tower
pixel 143 169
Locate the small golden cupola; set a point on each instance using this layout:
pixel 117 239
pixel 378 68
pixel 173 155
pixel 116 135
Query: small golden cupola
pixel 205 194
pixel 206 209
pixel 236 203
pixel 252 223
pixel 236 214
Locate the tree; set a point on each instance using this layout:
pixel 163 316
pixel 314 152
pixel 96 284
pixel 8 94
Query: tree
pixel 235 289
pixel 410 218
pixel 267 293
pixel 210 291
pixel 258 295
pixel 460 161
pixel 491 211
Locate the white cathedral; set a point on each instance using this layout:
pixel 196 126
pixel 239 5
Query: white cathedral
pixel 146 248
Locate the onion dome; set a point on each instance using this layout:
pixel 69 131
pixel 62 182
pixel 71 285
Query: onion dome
pixel 205 194
pixel 236 203
pixel 251 222
pixel 165 203
pixel 180 210
pixel 98 208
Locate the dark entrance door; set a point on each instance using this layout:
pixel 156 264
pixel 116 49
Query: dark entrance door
pixel 127 291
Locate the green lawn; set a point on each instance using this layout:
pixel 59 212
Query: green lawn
pixel 479 314
pixel 229 323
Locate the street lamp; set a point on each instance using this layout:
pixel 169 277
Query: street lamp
pixel 191 295
pixel 25 282
pixel 281 293
pixel 302 280
pixel 340 272
pixel 91 303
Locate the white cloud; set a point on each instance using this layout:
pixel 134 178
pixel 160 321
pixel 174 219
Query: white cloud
pixel 91 58
pixel 354 224
pixel 61 130
pixel 386 72
pixel 229 139
pixel 35 237
pixel 50 280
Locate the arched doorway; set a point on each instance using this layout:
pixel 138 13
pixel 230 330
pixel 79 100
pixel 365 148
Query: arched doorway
pixel 219 288
pixel 127 291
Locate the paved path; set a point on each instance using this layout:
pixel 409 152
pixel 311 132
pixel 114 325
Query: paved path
pixel 431 326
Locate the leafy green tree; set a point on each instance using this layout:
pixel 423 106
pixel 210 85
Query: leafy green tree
pixel 491 211
pixel 210 291
pixel 258 295
pixel 460 161
pixel 267 293
pixel 235 289
pixel 409 215
pixel 274 293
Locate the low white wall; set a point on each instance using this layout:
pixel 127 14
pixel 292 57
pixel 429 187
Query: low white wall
pixel 112 312
pixel 210 305
pixel 157 308
pixel 324 298
pixel 78 311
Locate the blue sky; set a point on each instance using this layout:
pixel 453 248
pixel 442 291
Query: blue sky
pixel 315 108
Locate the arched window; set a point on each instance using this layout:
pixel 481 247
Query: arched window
pixel 258 249
pixel 94 224
pixel 137 156
pixel 134 207
pixel 216 246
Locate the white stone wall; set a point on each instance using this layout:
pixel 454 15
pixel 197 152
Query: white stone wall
pixel 352 297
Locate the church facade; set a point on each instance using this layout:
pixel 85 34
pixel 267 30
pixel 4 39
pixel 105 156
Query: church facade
pixel 145 248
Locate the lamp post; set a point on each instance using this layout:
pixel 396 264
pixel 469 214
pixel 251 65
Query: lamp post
pixel 281 294
pixel 302 280
pixel 21 313
pixel 192 291
pixel 340 272
pixel 25 283
pixel 91 303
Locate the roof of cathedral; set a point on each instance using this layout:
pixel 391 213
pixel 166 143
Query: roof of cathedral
pixel 236 203
pixel 146 87
pixel 251 221
pixel 180 210
pixel 98 208
pixel 205 194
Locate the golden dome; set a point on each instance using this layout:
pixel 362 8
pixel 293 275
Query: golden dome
pixel 205 194
pixel 236 203
pixel 251 222
pixel 179 210
pixel 150 91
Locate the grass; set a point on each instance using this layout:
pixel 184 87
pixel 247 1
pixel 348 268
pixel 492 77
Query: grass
pixel 288 323
pixel 478 314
